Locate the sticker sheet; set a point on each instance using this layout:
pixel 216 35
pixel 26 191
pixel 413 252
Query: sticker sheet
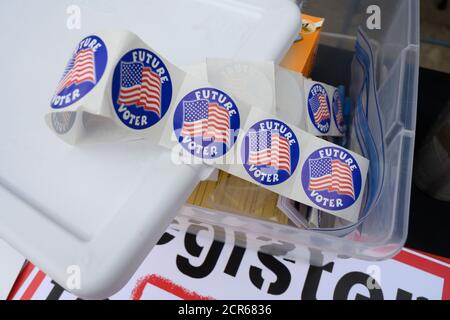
pixel 221 113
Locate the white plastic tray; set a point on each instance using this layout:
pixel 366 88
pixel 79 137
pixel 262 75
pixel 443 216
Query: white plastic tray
pixel 102 208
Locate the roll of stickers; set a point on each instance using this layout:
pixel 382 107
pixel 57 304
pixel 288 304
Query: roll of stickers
pixel 312 106
pixel 325 114
pixel 115 87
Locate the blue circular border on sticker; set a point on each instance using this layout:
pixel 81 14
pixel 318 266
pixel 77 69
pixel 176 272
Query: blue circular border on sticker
pixel 206 123
pixel 331 178
pixel 141 89
pixel 338 111
pixel 319 108
pixel 270 152
pixel 83 72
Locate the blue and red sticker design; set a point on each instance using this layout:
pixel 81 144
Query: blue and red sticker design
pixel 141 89
pixel 331 178
pixel 338 111
pixel 82 73
pixel 319 108
pixel 206 123
pixel 270 152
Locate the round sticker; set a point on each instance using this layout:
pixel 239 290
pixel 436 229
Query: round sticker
pixel 206 123
pixel 62 122
pixel 338 113
pixel 83 71
pixel 331 178
pixel 319 108
pixel 270 152
pixel 141 89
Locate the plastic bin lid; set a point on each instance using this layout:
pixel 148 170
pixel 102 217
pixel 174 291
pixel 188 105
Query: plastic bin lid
pixel 100 209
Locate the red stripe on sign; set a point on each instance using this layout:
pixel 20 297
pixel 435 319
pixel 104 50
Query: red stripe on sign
pixel 166 285
pixel 21 278
pixel 34 285
pixel 427 265
pixel 443 259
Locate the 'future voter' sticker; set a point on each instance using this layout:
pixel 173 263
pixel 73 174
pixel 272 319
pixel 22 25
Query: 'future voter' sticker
pixel 270 152
pixel 141 89
pixel 206 123
pixel 83 71
pixel 319 108
pixel 331 178
pixel 338 112
pixel 62 122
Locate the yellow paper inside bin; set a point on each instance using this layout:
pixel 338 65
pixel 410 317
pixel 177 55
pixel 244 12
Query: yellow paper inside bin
pixel 232 194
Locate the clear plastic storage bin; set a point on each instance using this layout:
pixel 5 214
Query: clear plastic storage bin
pixel 396 54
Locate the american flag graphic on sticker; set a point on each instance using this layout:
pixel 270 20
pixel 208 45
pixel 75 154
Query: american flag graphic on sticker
pixel 206 123
pixel 141 89
pixel 270 152
pixel 331 178
pixel 82 73
pixel 319 108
